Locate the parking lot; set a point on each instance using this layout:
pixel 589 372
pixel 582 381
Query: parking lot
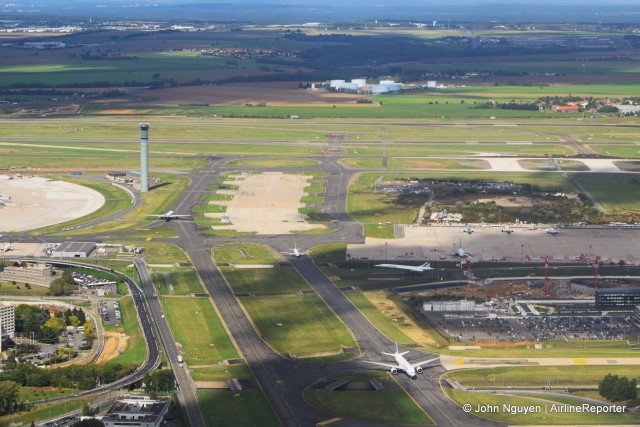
pixel 530 328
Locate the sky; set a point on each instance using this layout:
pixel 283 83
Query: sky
pixel 298 11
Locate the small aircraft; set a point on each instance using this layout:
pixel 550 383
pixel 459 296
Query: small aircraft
pixel 467 229
pixel 507 230
pixel 168 216
pixel 7 247
pixel 295 252
pixel 552 230
pixel 418 269
pixel 411 369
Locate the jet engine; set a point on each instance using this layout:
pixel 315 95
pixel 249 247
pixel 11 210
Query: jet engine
pixel 394 371
pixel 419 370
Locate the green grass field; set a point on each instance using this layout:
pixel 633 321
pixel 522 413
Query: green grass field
pixel 240 408
pixel 264 281
pixel 185 282
pixel 221 373
pixel 136 350
pixel 19 289
pixel 626 196
pixel 565 349
pixel 273 163
pixel 391 405
pixel 245 253
pixel 300 325
pixel 210 344
pixel 538 417
pixel 569 376
pixel 43 412
pixel 29 394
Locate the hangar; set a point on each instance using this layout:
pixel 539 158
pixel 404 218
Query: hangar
pixel 74 250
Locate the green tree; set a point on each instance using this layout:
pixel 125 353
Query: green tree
pixel 56 323
pixel 9 395
pixel 159 381
pixel 89 423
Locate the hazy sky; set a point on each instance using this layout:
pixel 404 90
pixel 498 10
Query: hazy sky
pixel 296 11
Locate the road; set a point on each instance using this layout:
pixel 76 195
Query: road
pixel 186 386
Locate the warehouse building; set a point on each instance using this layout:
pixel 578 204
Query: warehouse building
pixel 74 250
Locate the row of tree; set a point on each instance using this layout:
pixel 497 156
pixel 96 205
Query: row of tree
pixel 617 389
pixel 83 377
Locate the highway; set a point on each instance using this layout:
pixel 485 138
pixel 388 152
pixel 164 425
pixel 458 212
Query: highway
pixel 186 387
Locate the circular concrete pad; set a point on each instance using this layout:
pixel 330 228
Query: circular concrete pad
pixel 38 202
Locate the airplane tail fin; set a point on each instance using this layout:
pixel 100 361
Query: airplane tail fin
pixel 426 264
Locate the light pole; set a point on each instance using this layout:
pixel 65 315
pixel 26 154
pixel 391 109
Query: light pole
pixel 386 250
pixel 522 249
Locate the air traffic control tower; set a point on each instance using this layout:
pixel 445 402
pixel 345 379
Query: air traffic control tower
pixel 144 157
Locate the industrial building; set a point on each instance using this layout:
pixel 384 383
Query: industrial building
pixel 621 298
pixel 74 250
pixel 134 411
pixel 7 320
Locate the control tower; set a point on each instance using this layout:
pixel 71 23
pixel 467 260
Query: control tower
pixel 144 157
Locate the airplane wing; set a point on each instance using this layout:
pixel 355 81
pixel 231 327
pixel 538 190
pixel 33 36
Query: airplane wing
pixel 424 362
pixel 157 216
pixel 386 365
pixel 180 216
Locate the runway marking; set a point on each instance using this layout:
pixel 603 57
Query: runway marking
pixel 579 361
pixel 459 361
pixel 148 239
pixel 331 421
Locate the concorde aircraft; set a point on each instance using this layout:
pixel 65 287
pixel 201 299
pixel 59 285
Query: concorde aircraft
pixel 168 216
pixel 7 247
pixel 417 269
pixel 295 252
pixel 467 229
pixel 411 369
pixel 507 230
pixel 552 230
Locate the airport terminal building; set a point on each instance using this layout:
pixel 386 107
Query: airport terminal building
pixel 620 298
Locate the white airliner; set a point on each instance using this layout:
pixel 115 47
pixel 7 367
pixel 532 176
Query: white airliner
pixel 460 252
pixel 7 247
pixel 418 269
pixel 170 215
pixel 411 369
pixel 467 229
pixel 507 230
pixel 552 230
pixel 295 252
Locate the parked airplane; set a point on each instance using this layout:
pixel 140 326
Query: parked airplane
pixel 7 247
pixel 467 229
pixel 552 230
pixel 418 269
pixel 295 252
pixel 411 369
pixel 460 252
pixel 507 230
pixel 169 216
